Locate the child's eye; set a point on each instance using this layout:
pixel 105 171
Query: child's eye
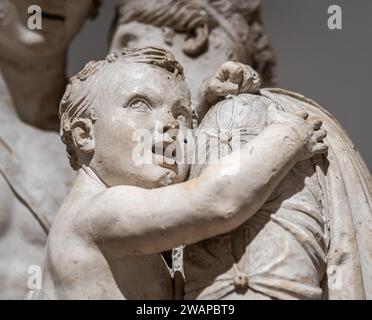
pixel 139 105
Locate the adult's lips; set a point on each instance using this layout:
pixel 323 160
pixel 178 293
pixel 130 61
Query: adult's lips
pixel 52 16
pixel 52 10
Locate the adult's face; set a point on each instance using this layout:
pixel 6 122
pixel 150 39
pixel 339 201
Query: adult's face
pixel 61 20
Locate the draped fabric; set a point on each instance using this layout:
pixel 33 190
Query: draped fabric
pixel 347 186
pixel 34 165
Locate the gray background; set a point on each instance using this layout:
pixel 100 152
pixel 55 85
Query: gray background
pixel 331 67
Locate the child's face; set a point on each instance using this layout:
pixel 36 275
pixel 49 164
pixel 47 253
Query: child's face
pixel 135 99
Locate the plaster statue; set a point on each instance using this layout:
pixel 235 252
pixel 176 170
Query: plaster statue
pixel 312 237
pixel 34 176
pixel 202 34
pixel 106 239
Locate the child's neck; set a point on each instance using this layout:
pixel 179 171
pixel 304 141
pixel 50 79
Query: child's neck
pixel 89 172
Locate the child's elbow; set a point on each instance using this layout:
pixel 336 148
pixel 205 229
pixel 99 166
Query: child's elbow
pixel 229 213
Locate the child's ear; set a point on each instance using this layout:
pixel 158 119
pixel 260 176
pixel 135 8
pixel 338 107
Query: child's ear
pixel 82 135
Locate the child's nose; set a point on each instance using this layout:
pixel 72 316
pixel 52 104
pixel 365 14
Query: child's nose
pixel 166 133
pixel 170 130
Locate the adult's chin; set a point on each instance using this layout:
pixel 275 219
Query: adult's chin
pixel 31 45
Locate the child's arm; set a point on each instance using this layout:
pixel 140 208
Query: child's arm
pixel 141 221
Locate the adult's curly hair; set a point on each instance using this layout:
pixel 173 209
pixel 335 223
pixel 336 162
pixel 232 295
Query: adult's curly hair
pixel 81 92
pixel 185 16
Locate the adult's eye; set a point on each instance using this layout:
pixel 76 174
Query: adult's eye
pixel 139 105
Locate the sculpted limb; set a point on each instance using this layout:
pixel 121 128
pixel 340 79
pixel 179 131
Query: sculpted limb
pixel 119 216
pixel 220 203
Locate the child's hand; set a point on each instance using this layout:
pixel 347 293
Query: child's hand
pixel 232 78
pixel 309 129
